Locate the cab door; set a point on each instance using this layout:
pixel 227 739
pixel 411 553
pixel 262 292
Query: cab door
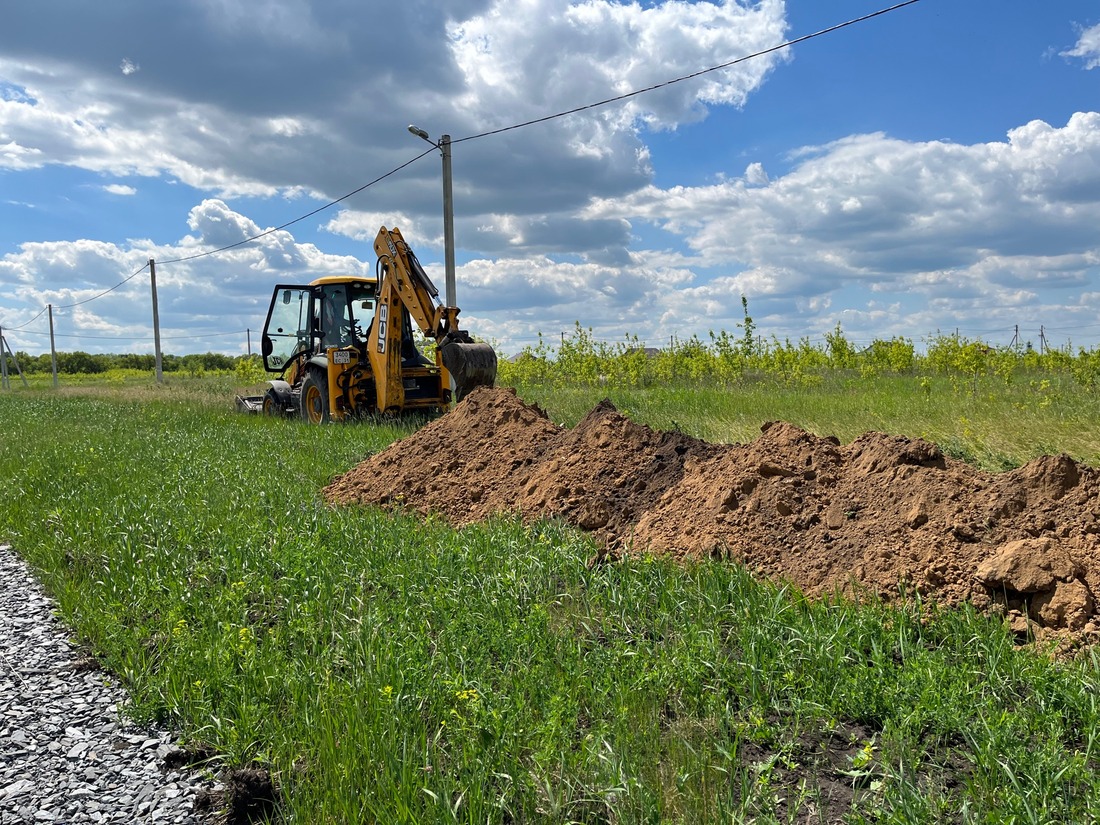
pixel 290 325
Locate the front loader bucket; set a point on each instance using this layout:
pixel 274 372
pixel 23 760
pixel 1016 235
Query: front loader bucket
pixel 470 365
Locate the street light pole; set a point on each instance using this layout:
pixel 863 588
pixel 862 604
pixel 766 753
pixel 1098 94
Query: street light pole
pixel 444 146
pixel 448 221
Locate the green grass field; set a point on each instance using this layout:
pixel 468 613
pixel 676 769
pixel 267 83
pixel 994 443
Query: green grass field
pixel 390 669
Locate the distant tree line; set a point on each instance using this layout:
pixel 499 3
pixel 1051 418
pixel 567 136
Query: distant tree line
pixel 86 363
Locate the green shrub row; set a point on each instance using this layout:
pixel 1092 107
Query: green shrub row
pixel 728 359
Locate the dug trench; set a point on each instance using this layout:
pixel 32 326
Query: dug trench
pixel 883 515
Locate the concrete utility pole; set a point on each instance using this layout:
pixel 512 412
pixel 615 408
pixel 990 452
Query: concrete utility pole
pixel 53 349
pixel 448 221
pixel 15 361
pixel 156 320
pixel 3 361
pixel 444 146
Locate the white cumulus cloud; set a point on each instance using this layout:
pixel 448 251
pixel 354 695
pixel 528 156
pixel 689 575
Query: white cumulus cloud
pixel 989 221
pixel 1087 47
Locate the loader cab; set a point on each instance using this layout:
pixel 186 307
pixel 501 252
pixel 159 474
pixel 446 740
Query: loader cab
pixel 306 319
pixel 345 313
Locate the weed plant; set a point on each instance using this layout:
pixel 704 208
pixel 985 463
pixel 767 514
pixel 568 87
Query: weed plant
pixel 388 668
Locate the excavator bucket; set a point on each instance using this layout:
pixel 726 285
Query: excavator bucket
pixel 470 365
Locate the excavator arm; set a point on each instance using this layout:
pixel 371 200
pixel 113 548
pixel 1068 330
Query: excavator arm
pixel 403 284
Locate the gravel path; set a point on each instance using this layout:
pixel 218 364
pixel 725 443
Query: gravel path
pixel 66 756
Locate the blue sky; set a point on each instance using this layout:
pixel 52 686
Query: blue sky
pixel 935 168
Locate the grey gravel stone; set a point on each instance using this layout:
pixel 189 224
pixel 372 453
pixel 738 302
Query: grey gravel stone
pixel 66 755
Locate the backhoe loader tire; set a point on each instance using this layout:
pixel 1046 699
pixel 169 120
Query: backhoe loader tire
pixel 314 403
pixel 270 405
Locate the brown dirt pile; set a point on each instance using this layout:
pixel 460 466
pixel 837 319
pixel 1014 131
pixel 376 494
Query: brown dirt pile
pixel 883 514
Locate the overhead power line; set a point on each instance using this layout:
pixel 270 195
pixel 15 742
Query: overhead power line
pixel 785 45
pixel 328 205
pixel 41 312
pixel 1061 328
pixel 104 292
pixel 380 178
pixel 607 101
pixel 132 337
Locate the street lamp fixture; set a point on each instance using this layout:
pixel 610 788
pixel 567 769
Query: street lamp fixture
pixel 444 147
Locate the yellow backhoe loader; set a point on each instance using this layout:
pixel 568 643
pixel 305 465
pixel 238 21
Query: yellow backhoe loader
pixel 344 346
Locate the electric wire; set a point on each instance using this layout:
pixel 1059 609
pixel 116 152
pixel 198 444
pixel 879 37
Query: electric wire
pixel 310 214
pixel 41 312
pixel 784 45
pixel 279 228
pixel 140 335
pixel 1066 330
pixel 597 104
pixel 104 292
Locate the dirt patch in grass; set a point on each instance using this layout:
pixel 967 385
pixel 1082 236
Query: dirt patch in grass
pixel 248 795
pixel 884 514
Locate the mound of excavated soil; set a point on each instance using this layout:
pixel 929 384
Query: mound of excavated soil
pixel 884 514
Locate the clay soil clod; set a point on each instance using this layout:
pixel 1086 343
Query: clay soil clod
pixel 884 514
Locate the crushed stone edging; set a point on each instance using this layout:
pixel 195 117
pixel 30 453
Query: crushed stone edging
pixel 66 753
